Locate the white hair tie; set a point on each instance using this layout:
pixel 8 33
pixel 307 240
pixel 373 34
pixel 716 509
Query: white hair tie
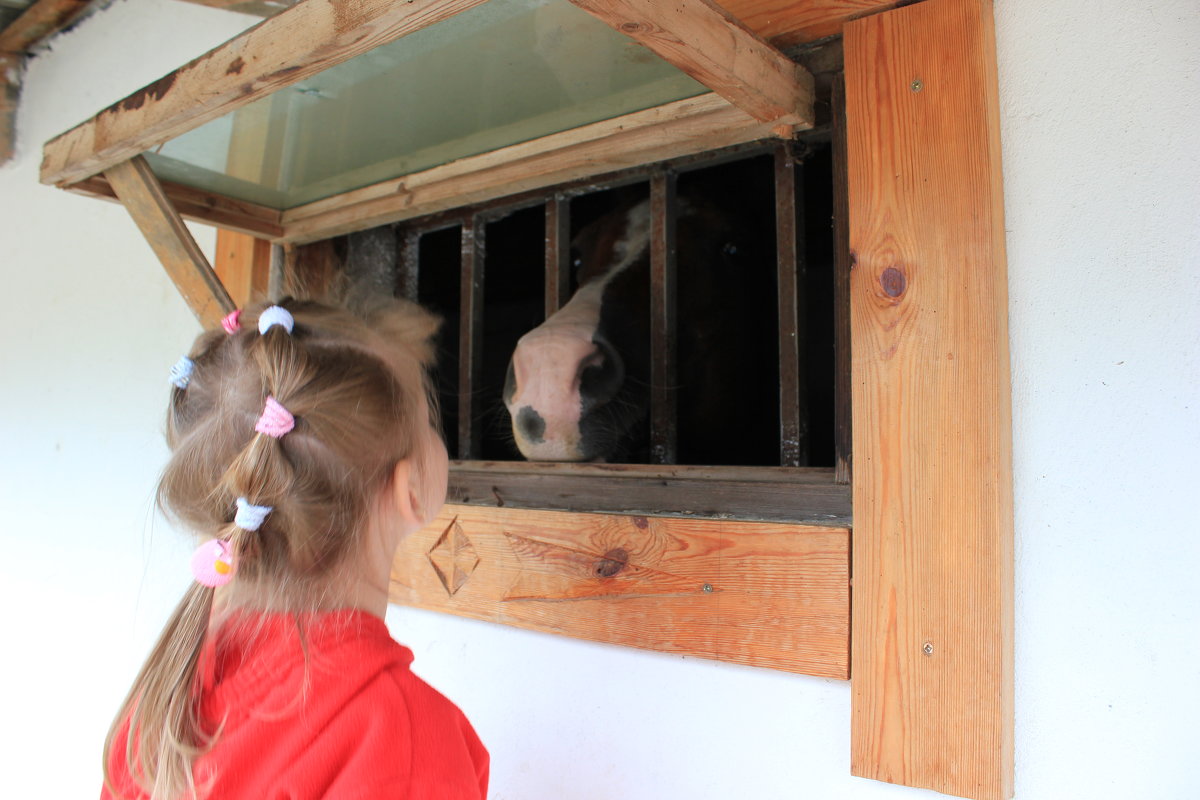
pixel 249 517
pixel 275 315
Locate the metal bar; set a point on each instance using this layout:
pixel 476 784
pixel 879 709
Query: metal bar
pixel 790 267
pixel 470 341
pixel 843 262
pixel 663 423
pixel 558 252
pixel 408 277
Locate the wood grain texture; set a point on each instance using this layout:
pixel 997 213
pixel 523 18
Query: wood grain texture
pixel 145 200
pixel 243 263
pixel 705 41
pixel 933 561
pixel 777 595
pixel 676 129
pixel 200 206
pixel 40 21
pixel 279 52
pixel 789 22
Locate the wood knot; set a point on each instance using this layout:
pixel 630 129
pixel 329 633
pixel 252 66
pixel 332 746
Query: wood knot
pixel 630 27
pixel 641 522
pixel 613 562
pixel 893 282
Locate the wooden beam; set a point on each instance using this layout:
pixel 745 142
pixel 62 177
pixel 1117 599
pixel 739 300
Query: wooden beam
pixel 790 22
pixel 200 206
pixel 279 52
pixel 243 263
pixel 703 40
pixel 676 129
pixel 147 203
pixel 762 594
pixel 41 20
pixel 932 698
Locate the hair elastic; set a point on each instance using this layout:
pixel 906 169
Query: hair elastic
pixel 275 315
pixel 249 517
pixel 230 322
pixel 181 373
pixel 212 563
pixel 275 420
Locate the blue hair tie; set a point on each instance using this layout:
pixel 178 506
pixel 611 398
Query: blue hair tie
pixel 181 373
pixel 249 517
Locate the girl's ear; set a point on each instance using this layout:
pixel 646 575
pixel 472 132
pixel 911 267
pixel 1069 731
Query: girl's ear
pixel 405 497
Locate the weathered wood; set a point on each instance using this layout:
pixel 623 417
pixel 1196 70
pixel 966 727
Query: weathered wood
pixel 143 196
pixel 933 530
pixel 793 408
pixel 38 22
pixel 842 412
pixel 664 213
pixel 279 52
pixel 676 129
pixel 804 495
pixel 762 594
pixel 470 336
pixel 243 263
pixel 788 22
pixel 558 252
pixel 200 206
pixel 703 40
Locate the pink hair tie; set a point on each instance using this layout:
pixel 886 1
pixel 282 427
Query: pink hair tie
pixel 275 420
pixel 230 322
pixel 212 564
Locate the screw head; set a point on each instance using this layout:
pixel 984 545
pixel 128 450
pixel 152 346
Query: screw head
pixel 928 648
pixel 916 85
pixel 708 588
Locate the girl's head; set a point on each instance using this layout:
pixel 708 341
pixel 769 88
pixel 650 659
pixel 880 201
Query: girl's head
pixel 361 464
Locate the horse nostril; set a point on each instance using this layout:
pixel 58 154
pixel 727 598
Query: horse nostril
pixel 531 425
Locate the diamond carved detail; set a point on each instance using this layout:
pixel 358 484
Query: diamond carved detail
pixel 453 557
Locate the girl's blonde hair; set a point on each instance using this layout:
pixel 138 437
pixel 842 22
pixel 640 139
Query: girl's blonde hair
pixel 356 385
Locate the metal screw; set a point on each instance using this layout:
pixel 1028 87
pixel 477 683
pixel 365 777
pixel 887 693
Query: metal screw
pixel 928 648
pixel 916 85
pixel 708 588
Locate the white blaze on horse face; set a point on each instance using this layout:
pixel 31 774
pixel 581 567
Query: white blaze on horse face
pixel 548 362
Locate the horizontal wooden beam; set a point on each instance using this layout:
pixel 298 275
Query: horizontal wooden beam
pixel 41 20
pixel 790 22
pixel 279 52
pixel 761 594
pixel 807 495
pixel 703 40
pixel 200 206
pixel 145 200
pixel 676 129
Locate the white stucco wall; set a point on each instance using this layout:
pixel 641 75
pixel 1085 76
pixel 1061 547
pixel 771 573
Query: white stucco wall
pixel 1100 112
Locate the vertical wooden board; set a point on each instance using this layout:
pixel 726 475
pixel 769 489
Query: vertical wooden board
pixel 764 594
pixel 243 263
pixel 932 557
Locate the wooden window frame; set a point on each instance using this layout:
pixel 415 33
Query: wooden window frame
pixel 931 648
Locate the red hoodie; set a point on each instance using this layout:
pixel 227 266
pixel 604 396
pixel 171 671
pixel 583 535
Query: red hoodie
pixel 349 721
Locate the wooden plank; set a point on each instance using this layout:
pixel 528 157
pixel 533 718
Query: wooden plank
pixel 279 52
pixel 143 197
pixel 676 129
pixel 664 214
pixel 933 531
pixel 558 253
pixel 762 594
pixel 243 263
pixel 842 413
pixel 38 22
pixel 803 495
pixel 470 336
pixel 706 42
pixel 789 267
pixel 200 206
pixel 788 22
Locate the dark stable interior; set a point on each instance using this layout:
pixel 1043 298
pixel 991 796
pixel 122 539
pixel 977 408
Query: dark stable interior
pixel 744 428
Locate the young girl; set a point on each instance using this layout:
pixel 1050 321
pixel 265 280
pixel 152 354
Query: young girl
pixel 304 448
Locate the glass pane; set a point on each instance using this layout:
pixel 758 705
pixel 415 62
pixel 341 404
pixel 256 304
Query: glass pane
pixel 501 73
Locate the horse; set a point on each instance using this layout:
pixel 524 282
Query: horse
pixel 578 385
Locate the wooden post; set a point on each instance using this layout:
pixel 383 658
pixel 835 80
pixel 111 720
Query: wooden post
pixel 558 252
pixel 664 424
pixel 470 336
pixel 243 263
pixel 143 196
pixel 932 655
pixel 789 270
